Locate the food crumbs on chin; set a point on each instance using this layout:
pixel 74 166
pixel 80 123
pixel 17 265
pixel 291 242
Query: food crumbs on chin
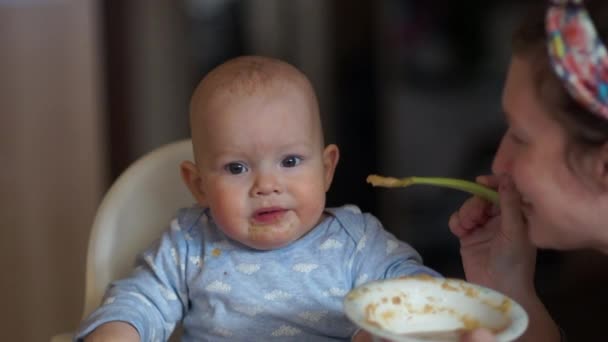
pixel 255 230
pixel 216 252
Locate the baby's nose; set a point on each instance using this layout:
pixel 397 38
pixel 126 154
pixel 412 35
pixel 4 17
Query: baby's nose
pixel 266 184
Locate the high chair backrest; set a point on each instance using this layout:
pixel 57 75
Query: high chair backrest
pixel 133 213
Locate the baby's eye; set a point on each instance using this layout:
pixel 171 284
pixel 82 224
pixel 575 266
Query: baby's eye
pixel 236 168
pixel 291 161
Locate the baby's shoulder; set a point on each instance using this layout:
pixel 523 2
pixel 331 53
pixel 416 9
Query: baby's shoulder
pixel 354 221
pixel 191 219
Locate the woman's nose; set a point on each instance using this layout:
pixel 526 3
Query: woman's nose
pixel 266 183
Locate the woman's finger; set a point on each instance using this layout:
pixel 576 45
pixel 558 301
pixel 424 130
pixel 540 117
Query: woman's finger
pixel 478 335
pixel 455 226
pixel 474 212
pixel 512 219
pixel 491 181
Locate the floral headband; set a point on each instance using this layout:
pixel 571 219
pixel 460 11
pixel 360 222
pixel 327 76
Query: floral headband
pixel 577 54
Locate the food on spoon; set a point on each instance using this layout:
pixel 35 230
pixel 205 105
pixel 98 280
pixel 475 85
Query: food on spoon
pixel 453 183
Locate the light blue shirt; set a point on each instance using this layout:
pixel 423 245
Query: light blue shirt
pixel 221 290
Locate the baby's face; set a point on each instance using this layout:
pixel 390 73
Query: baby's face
pixel 263 168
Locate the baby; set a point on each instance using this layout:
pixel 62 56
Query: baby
pixel 259 257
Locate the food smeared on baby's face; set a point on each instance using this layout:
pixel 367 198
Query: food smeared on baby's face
pixel 273 228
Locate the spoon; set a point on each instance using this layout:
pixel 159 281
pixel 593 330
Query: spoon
pixel 459 184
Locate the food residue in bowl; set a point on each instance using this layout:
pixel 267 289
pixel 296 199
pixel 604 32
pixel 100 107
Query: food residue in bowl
pixel 383 312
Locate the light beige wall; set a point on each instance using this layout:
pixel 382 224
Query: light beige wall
pixel 51 161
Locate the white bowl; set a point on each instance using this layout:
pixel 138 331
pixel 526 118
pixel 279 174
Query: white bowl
pixel 422 308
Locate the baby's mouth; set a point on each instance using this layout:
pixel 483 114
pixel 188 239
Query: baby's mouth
pixel 268 215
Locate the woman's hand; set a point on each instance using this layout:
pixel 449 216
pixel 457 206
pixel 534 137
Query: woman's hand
pixel 494 244
pixel 479 335
pixel 496 252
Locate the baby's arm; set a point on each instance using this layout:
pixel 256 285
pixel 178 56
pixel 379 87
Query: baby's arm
pixel 150 301
pixel 114 331
pixel 382 256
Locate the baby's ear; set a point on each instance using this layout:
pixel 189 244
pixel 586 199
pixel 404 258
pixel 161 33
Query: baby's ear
pixel 331 155
pixel 193 180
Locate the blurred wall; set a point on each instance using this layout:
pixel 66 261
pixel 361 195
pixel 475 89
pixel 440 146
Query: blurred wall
pixel 147 74
pixel 51 151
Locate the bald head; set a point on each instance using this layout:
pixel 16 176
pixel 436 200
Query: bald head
pixel 245 77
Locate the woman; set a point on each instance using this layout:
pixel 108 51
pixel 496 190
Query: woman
pixel 551 168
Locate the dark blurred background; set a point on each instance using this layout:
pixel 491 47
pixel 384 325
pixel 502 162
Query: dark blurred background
pixel 406 88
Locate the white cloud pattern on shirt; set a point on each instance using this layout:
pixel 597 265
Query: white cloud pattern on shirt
pixel 196 261
pixel 313 316
pixel 168 294
pixel 362 243
pixel 277 295
pixel 218 286
pixel 109 300
pixel 361 279
pixel 222 332
pixel 174 256
pixel 304 268
pixel 390 246
pixel 330 244
pixel 248 268
pixel 286 330
pixel 335 292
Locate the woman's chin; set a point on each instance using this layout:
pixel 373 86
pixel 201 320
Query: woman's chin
pixel 553 239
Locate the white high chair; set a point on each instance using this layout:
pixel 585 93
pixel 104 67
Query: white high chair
pixel 133 213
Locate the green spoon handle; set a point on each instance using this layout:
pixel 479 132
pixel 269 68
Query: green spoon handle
pixel 453 183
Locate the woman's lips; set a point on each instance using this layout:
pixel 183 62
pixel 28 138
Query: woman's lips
pixel 268 215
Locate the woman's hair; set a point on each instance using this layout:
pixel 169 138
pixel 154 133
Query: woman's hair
pixel 530 41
